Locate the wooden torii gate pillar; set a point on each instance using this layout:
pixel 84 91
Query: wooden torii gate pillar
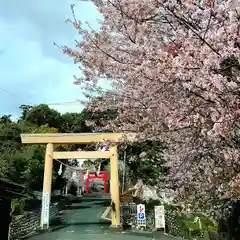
pixel 78 138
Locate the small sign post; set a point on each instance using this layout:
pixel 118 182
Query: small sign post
pixel 159 217
pixel 141 216
pixel 45 209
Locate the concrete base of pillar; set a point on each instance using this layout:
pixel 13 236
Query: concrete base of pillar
pixel 113 226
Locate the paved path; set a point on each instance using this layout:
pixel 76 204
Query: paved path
pixel 82 221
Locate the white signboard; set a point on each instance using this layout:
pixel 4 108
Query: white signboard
pixel 159 217
pixel 141 215
pixel 45 208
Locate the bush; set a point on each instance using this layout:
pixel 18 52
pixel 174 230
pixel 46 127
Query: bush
pixel 18 206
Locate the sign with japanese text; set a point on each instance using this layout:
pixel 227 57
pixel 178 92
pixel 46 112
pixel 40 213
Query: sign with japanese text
pixel 159 217
pixel 45 208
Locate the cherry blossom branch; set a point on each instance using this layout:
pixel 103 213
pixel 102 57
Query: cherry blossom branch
pixel 191 26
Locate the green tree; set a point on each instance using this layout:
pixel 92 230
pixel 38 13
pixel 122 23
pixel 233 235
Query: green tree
pixel 9 135
pixel 25 110
pixel 21 163
pixel 74 122
pixel 42 114
pixel 5 119
pixel 25 166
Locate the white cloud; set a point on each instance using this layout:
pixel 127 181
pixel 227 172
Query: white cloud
pixel 32 69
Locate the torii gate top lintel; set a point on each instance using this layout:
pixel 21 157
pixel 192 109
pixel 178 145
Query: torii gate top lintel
pixel 80 138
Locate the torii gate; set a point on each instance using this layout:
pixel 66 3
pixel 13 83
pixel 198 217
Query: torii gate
pixel 78 138
pixel 101 175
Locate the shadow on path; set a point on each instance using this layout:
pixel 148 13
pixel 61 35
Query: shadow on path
pixel 95 224
pixel 70 207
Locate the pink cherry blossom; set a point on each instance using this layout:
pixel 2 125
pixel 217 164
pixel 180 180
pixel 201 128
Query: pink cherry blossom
pixel 173 67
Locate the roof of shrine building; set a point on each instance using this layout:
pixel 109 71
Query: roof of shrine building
pixel 11 190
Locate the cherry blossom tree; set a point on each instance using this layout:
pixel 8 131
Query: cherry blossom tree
pixel 173 67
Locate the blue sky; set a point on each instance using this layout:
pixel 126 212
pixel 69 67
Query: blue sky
pixel 32 69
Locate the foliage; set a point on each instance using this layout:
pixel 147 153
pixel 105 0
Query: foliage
pixel 17 206
pixel 10 135
pixel 90 164
pixel 26 166
pixel 3 167
pixel 144 161
pixel 74 123
pixel 45 129
pixel 41 115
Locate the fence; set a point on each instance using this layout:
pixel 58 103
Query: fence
pixel 128 213
pixel 128 216
pixel 28 223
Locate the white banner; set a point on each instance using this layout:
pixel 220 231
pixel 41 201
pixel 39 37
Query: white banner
pixel 159 217
pixel 45 208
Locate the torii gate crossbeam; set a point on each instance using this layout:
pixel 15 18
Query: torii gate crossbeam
pixel 78 138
